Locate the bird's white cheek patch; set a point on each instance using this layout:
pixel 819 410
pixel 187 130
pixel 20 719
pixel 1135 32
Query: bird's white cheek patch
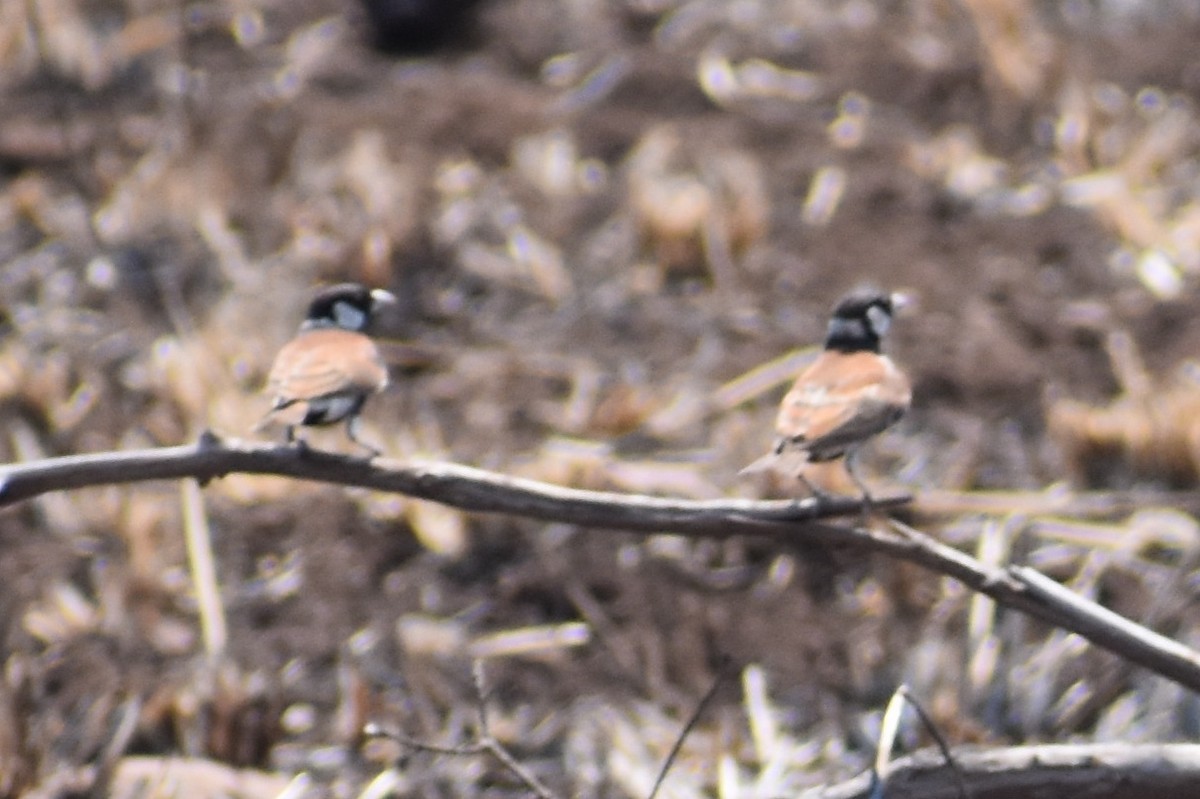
pixel 879 319
pixel 349 317
pixel 332 409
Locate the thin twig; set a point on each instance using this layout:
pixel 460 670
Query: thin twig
pixel 889 729
pixel 481 696
pixel 938 738
pixel 377 730
pixel 489 743
pixel 526 776
pixel 705 701
pixel 484 743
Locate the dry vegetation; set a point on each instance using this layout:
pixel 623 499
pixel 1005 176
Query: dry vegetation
pixel 612 223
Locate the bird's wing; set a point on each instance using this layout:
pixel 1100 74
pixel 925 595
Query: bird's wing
pixel 841 400
pixel 323 362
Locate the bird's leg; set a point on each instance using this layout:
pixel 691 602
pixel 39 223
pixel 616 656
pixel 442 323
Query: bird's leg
pixel 295 440
pixel 352 434
pixel 867 503
pixel 819 495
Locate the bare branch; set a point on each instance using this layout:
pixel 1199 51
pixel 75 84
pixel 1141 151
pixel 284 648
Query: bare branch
pixel 1115 771
pixel 786 522
pixel 1030 592
pixel 460 486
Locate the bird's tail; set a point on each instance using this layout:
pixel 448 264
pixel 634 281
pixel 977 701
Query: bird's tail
pixel 789 462
pixel 288 415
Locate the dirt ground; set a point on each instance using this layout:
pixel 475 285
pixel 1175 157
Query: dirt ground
pixel 600 216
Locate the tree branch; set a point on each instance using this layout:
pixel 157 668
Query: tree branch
pixel 787 522
pixel 1114 771
pixel 460 486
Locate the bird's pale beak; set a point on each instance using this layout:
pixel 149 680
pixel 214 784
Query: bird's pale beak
pixel 903 300
pixel 381 297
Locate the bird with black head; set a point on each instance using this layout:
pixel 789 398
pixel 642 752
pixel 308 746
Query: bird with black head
pixel 850 393
pixel 325 373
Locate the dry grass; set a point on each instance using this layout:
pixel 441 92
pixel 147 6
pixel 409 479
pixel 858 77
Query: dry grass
pixel 612 225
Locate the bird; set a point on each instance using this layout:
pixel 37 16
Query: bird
pixel 325 373
pixel 413 27
pixel 851 392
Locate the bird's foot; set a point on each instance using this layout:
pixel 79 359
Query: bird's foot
pixel 352 430
pixel 868 508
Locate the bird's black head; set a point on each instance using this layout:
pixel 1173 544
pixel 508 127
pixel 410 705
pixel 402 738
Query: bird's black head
pixel 346 305
pixel 860 321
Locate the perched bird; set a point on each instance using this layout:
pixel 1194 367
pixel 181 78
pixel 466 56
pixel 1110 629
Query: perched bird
pixel 410 27
pixel 850 392
pixel 327 371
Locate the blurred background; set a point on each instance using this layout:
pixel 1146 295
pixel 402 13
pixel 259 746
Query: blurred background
pixel 617 228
